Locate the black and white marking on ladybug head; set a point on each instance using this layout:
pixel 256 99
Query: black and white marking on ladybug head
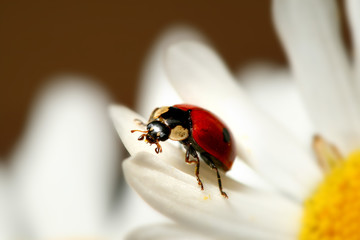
pixel 158 131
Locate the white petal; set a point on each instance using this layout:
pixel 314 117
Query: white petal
pixel 155 90
pixel 272 88
pixel 164 232
pixel 8 229
pixel 175 193
pixel 65 165
pixel 200 77
pixel 310 33
pixel 131 212
pixel 352 7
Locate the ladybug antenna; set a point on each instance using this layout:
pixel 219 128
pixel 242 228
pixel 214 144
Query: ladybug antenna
pixel 142 136
pixel 132 131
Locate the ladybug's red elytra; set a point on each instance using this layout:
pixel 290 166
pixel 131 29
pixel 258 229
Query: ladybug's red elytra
pixel 198 130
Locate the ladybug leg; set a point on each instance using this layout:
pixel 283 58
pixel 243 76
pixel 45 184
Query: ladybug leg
pixel 158 147
pixel 191 150
pixel 213 166
pixel 220 185
pixel 210 161
pixel 197 168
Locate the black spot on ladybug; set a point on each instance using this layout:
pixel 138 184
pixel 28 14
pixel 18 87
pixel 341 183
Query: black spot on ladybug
pixel 226 135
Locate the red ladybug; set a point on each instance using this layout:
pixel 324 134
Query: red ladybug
pixel 198 130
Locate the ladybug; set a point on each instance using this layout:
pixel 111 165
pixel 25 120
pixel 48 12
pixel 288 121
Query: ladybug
pixel 198 130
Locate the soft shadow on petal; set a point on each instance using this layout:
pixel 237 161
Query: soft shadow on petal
pixel 166 232
pixel 154 88
pixel 201 77
pixel 310 32
pixel 352 9
pixel 272 88
pixel 65 165
pixel 246 214
pixel 173 154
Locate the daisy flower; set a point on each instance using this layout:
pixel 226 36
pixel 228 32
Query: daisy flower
pixel 305 188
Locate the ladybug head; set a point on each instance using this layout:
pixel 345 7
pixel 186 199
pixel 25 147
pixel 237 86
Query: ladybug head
pixel 156 131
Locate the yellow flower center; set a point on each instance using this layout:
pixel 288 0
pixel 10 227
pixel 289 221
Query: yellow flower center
pixel 333 211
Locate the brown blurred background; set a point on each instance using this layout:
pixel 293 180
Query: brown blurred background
pixel 108 41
